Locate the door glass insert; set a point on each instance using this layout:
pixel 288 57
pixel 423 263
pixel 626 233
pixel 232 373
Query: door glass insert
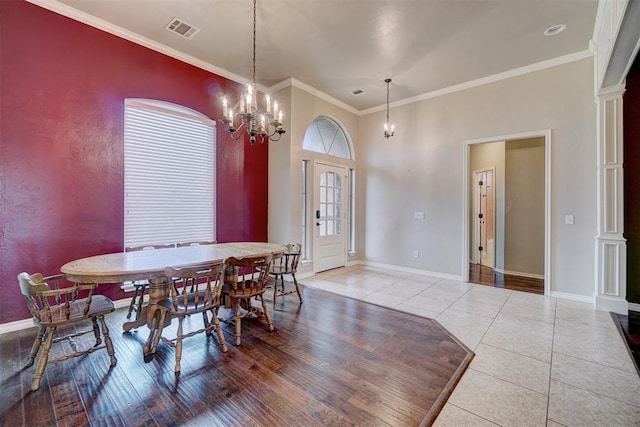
pixel 330 199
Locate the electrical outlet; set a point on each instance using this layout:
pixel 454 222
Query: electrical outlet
pixel 416 254
pixel 418 215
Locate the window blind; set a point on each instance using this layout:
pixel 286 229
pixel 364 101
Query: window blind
pixel 169 178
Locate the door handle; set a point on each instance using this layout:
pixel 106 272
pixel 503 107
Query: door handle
pixel 318 224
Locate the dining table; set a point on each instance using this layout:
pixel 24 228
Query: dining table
pixel 120 267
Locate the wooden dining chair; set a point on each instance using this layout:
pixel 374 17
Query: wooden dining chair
pixel 250 280
pixel 287 264
pixel 139 286
pixel 197 243
pixel 206 280
pixel 53 305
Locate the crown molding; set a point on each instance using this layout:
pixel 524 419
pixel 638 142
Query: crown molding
pixel 70 12
pixel 317 93
pixel 561 60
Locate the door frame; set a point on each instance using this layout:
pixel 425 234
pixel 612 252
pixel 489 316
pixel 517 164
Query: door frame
pixel 346 196
pixel 476 207
pixel 467 212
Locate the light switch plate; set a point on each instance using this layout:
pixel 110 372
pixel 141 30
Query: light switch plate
pixel 568 219
pixel 418 215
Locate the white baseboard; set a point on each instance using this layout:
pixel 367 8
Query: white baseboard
pixel 304 275
pixel 572 297
pixel 19 325
pixel 634 306
pixel 408 270
pixel 519 273
pixel 616 305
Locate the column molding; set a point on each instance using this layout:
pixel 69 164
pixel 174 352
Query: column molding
pixel 611 247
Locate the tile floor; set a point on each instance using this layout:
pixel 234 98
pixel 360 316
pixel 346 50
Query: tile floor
pixel 539 361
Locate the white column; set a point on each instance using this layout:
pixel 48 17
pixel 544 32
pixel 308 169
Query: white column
pixel 611 247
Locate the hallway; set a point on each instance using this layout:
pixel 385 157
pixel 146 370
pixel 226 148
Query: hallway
pixel 481 275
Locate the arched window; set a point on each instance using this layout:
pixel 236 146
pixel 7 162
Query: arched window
pixel 169 174
pixel 324 135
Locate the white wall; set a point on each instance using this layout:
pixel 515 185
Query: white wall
pixel 285 160
pixel 282 176
pixel 421 169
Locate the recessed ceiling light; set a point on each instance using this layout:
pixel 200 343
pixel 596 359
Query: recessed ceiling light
pixel 555 29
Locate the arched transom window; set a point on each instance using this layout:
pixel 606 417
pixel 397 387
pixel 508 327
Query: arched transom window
pixel 324 135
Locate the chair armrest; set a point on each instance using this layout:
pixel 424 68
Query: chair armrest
pixel 68 290
pixel 53 277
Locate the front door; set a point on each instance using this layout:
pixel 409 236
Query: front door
pixel 329 217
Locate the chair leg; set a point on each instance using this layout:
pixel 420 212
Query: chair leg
pixel 238 320
pixel 275 289
pixel 179 346
pixel 266 313
pixel 107 341
pixel 133 303
pixel 216 323
pixel 161 317
pixel 96 331
pixel 207 324
pixel 140 301
pixel 295 282
pixel 35 348
pixel 44 358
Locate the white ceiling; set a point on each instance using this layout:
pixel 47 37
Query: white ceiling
pixel 337 46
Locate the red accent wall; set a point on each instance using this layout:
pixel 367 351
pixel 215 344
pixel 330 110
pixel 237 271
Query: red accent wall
pixel 62 89
pixel 631 120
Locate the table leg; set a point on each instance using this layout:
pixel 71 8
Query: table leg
pixel 155 315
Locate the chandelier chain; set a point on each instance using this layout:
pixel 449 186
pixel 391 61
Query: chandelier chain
pixel 388 126
pixel 259 123
pixel 254 43
pixel 388 81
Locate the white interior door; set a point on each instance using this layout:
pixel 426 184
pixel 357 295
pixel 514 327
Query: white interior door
pixel 329 217
pixel 484 218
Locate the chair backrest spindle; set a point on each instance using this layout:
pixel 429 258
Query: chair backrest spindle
pixel 204 279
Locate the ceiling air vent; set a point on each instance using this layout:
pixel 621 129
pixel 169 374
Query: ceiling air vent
pixel 357 92
pixel 180 27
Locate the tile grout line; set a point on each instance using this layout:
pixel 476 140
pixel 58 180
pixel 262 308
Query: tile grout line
pixel 553 338
pixel 469 368
pixel 476 415
pixel 493 321
pixel 507 381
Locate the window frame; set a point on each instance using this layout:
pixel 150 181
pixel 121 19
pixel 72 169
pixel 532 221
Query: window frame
pixel 169 180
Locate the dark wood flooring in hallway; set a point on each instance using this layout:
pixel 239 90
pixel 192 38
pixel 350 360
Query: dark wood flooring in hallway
pixel 487 276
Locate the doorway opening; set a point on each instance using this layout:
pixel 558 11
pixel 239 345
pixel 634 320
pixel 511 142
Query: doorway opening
pixel 506 240
pixel 484 218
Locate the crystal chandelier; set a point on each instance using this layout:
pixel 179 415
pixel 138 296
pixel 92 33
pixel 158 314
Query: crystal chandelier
pixel 263 123
pixel 389 127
